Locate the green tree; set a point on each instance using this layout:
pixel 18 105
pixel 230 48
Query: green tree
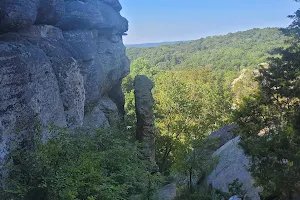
pixel 189 105
pixel 234 51
pixel 78 166
pixel 269 121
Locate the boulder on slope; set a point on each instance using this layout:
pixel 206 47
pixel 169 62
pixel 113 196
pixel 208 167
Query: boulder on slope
pixel 233 164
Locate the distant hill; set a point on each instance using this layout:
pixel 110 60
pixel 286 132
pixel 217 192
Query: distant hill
pixel 233 51
pixel 145 45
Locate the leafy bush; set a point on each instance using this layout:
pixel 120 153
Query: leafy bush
pixel 236 188
pixel 203 193
pixel 96 165
pixel 190 104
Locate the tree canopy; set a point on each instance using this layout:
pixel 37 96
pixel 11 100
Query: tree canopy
pixel 233 51
pixel 269 120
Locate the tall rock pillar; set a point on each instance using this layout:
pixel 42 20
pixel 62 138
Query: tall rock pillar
pixel 145 132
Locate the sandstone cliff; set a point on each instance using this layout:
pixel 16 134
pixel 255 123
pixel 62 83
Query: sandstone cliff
pixel 62 63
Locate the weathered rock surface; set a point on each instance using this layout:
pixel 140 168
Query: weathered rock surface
pixel 50 11
pixel 144 103
pixel 233 164
pixel 61 62
pixel 19 14
pixel 29 89
pixel 93 14
pixel 65 66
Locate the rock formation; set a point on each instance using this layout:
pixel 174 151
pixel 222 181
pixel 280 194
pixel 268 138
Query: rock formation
pixel 223 135
pixel 233 164
pixel 62 63
pixel 144 103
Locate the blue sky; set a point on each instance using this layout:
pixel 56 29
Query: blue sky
pixel 177 20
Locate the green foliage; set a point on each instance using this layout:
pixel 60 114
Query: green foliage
pixel 194 93
pixel 203 193
pixel 138 67
pixel 230 52
pixel 190 104
pixel 78 166
pixel 244 85
pixel 269 121
pixel 236 188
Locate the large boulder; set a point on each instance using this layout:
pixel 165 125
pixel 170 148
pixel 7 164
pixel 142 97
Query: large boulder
pixel 233 164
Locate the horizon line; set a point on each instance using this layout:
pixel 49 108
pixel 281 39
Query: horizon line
pixel 199 38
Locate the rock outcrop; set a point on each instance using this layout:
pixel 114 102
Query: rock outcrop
pixel 61 62
pixel 145 132
pixel 233 164
pixel 235 198
pixel 223 135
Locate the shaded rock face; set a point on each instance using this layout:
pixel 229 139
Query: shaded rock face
pixel 61 62
pixel 233 164
pixel 144 103
pixel 223 135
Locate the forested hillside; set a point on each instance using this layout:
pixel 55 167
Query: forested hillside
pixel 212 119
pixel 204 85
pixel 233 51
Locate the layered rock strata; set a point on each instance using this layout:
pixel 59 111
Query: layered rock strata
pixel 61 62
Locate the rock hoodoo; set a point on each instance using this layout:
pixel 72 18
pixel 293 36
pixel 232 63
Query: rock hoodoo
pixel 144 102
pixel 61 62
